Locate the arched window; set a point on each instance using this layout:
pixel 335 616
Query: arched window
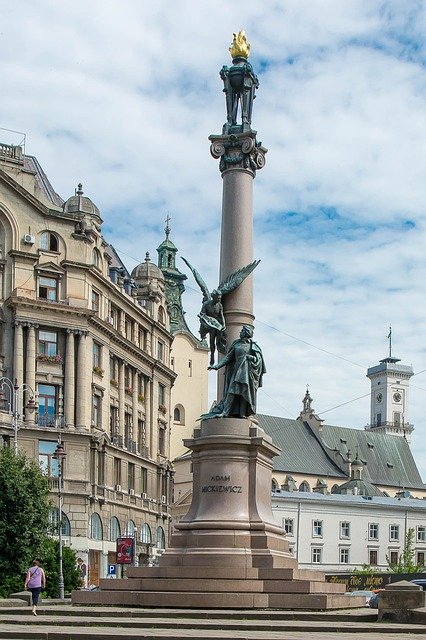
pixel 334 488
pixel 179 414
pixel 96 527
pixel 54 521
pixel 130 528
pixel 161 539
pixel 96 258
pixel 114 529
pixel 161 316
pixel 146 534
pixel 304 486
pixel 48 241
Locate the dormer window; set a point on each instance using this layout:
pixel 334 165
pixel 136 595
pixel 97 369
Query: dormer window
pixel 96 258
pixel 49 241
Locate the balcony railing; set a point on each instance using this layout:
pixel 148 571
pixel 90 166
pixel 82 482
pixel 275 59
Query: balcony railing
pixel 57 421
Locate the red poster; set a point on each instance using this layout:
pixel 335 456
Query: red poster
pixel 125 550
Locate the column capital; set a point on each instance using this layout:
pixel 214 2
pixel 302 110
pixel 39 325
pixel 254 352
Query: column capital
pixel 238 151
pixel 81 332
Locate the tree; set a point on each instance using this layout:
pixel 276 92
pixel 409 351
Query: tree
pixel 50 561
pixel 406 562
pixel 24 517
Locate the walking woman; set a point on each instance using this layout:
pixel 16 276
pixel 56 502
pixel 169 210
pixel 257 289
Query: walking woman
pixel 35 582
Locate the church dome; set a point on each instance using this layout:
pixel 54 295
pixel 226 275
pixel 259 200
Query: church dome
pixel 147 271
pixel 81 204
pixel 358 487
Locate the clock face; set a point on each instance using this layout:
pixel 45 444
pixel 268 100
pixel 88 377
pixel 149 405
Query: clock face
pixel 397 397
pixel 379 397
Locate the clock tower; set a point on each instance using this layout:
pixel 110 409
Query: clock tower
pixel 389 397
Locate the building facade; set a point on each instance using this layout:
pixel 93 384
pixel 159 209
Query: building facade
pixel 90 343
pixel 338 533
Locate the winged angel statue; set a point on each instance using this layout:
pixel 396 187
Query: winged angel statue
pixel 212 320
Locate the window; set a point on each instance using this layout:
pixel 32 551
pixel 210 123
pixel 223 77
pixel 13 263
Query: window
pixel 316 555
pixel 117 471
pixel 373 557
pixel 344 555
pixel 48 288
pixel 378 419
pixel 144 480
pixel 128 379
pixel 96 258
pixel 373 531
pixel 289 526
pixel 141 435
pixel 48 241
pixel 394 532
pixel 162 439
pixel 113 421
pixel 396 418
pixel 179 414
pixel 96 410
pixel 160 350
pixel 420 558
pixel 421 533
pixel 345 529
pixel 95 527
pixel 317 528
pixel 142 338
pixel 161 395
pixel 161 316
pixel 65 523
pixel 96 355
pixel 47 343
pixel 114 316
pixel 161 539
pixel 128 430
pixel 128 327
pixel 130 528
pixel 113 529
pixel 304 486
pixel 190 368
pixel 146 534
pixel 131 476
pixel 47 405
pixel 393 557
pixel 48 464
pixel 95 301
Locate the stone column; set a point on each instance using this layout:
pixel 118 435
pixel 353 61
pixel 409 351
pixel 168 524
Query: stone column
pixel 82 410
pixel 135 405
pixel 121 399
pixel 30 370
pixel 148 415
pixel 70 379
pixel 240 155
pixel 18 354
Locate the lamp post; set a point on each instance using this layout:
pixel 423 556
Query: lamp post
pixel 15 390
pixel 59 456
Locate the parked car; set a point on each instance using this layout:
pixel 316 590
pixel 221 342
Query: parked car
pixel 421 582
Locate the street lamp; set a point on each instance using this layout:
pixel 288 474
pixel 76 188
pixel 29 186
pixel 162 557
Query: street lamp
pixel 14 390
pixel 59 455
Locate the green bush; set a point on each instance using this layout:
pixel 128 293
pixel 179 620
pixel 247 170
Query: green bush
pixel 49 559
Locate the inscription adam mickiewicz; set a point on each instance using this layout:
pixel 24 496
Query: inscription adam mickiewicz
pixel 221 488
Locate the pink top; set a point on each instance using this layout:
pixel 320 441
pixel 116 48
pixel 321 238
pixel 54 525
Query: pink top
pixel 35 577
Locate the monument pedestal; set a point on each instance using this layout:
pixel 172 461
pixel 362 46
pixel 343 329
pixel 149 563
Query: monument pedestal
pixel 227 552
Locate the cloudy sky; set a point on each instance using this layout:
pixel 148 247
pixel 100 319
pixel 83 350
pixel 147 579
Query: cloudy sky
pixel 122 96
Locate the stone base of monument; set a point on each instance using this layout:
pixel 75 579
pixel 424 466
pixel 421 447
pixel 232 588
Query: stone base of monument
pixel 228 551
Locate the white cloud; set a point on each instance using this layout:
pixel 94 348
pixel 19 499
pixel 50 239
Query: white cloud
pixel 122 95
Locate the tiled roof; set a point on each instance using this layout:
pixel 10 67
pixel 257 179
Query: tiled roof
pixel 387 459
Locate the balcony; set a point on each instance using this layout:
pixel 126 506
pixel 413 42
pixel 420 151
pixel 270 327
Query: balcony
pixel 54 421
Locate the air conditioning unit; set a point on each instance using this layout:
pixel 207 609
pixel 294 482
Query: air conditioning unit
pixel 118 487
pixel 131 492
pixel 144 496
pixel 29 239
pixel 163 499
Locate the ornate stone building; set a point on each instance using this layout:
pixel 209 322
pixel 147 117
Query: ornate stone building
pixel 92 344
